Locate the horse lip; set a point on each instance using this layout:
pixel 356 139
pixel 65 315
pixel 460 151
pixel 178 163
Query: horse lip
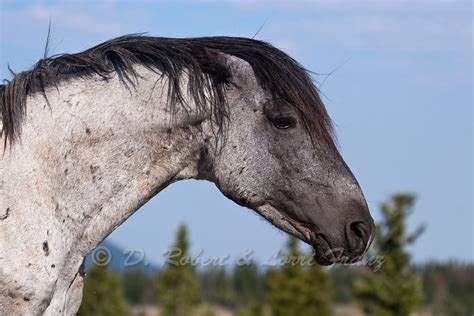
pixel 305 231
pixel 302 228
pixel 297 229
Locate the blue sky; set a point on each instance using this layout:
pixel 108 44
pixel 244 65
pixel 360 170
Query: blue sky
pixel 400 94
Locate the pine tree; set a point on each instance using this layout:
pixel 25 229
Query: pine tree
pixel 247 284
pixel 394 289
pixel 177 286
pixel 223 288
pixel 137 287
pixel 216 286
pixel 102 294
pixel 298 288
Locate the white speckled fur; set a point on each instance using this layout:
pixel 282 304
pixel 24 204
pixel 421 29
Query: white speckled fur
pixel 98 151
pixel 85 163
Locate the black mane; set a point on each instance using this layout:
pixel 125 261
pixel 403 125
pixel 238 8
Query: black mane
pixel 276 72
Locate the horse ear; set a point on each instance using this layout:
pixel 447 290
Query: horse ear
pixel 213 63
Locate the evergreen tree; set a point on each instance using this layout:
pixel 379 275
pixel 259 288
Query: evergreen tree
pixel 102 294
pixel 448 288
pixel 255 309
pixel 298 288
pixel 137 287
pixel 248 284
pixel 216 286
pixel 223 288
pixel 177 286
pixel 394 289
pixel 342 276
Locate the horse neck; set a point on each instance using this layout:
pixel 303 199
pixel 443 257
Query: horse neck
pixel 86 162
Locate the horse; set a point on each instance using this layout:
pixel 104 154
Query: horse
pixel 90 137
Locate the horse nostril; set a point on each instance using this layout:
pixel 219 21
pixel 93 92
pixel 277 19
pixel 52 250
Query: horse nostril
pixel 358 229
pixel 357 236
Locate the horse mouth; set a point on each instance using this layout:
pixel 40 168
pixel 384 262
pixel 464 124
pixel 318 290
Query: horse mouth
pixel 322 250
pixel 323 253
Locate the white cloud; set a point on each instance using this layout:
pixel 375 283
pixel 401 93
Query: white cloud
pixel 433 38
pixel 73 22
pixel 386 33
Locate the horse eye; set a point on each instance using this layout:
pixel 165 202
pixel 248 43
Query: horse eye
pixel 283 122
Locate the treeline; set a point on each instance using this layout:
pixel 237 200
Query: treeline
pixel 384 284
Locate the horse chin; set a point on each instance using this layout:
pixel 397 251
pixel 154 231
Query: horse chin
pixel 323 253
pixel 322 260
pixel 326 255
